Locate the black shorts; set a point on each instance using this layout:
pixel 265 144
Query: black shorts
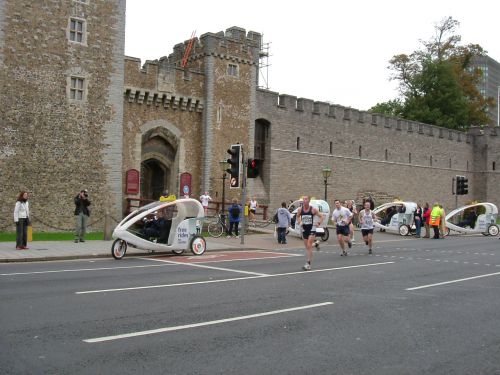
pixel 343 230
pixel 366 232
pixel 308 232
pixel 252 210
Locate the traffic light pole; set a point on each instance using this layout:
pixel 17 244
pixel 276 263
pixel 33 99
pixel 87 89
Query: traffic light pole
pixel 454 190
pixel 243 195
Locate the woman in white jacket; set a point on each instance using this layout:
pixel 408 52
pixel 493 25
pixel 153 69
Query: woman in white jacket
pixel 22 218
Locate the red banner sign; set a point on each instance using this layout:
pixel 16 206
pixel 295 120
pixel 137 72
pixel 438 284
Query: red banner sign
pixel 132 181
pixel 185 185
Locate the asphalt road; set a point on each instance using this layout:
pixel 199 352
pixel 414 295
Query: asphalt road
pixel 413 307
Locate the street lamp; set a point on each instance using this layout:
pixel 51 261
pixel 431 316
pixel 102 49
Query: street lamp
pixel 223 167
pixel 327 172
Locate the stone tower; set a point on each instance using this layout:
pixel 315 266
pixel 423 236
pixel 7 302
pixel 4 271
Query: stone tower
pixel 61 89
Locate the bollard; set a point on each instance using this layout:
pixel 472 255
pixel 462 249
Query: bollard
pixel 30 233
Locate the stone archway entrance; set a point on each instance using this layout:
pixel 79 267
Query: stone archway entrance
pixel 158 167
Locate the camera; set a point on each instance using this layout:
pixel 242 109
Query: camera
pixel 86 195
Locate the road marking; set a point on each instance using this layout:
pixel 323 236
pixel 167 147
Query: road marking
pixel 209 267
pixel 231 279
pixel 453 281
pixel 203 324
pixel 82 269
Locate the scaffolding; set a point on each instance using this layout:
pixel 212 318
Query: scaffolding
pixel 264 64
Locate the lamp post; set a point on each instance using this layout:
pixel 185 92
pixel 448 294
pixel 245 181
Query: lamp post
pixel 327 172
pixel 223 166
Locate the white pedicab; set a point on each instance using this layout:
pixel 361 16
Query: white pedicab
pixel 160 226
pixel 397 217
pixel 322 206
pixel 474 218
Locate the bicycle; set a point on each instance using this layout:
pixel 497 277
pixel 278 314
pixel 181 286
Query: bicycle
pixel 217 228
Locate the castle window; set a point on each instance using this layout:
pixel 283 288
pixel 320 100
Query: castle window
pixel 232 70
pixel 298 143
pixel 77 88
pixel 331 148
pixel 494 165
pixel 77 30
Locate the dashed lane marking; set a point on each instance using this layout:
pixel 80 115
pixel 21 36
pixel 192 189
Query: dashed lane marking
pixel 453 281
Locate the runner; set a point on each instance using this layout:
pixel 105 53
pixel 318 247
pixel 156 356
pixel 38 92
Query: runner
pixel 352 207
pixel 342 216
pixel 253 209
pixel 366 218
pixel 305 217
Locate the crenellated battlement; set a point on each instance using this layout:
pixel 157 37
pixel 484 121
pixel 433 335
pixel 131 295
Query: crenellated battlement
pixel 348 115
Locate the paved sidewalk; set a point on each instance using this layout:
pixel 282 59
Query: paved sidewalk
pixel 61 250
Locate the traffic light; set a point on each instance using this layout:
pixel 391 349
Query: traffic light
pixel 253 168
pixel 462 185
pixel 465 185
pixel 234 166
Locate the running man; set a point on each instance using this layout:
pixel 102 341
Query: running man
pixel 305 217
pixel 253 209
pixel 342 217
pixel 205 199
pixel 366 218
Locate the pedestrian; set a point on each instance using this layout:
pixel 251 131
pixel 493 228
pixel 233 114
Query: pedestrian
pixel 426 217
pixel 435 219
pixel 205 199
pixel 352 207
pixel 284 221
pixel 22 220
pixel 417 217
pixel 82 213
pixel 253 209
pixel 305 218
pixel 367 218
pixel 342 217
pixel 234 212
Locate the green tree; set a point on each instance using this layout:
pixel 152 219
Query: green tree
pixel 437 84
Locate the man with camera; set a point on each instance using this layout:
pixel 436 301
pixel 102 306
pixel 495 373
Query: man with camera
pixel 82 213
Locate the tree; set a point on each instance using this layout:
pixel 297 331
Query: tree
pixel 437 84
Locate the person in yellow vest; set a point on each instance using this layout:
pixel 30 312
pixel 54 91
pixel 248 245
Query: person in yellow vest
pixel 435 219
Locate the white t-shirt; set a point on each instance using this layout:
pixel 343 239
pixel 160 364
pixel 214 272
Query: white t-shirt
pixel 367 219
pixel 341 216
pixel 253 205
pixel 204 200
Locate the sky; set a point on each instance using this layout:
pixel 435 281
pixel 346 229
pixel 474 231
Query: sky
pixel 330 51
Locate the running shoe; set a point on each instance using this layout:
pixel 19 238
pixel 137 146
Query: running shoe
pixel 306 267
pixel 344 253
pixel 369 251
pixel 316 245
pixel 349 243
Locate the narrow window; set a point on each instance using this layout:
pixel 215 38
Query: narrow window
pixel 219 115
pixel 359 151
pixel 76 29
pixel 430 160
pixel 409 158
pixel 386 155
pixel 298 143
pixel 494 165
pixel 450 163
pixel 467 168
pixel 76 89
pixel 331 148
pixel 232 70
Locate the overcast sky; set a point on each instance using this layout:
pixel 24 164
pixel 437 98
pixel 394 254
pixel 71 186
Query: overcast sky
pixel 322 50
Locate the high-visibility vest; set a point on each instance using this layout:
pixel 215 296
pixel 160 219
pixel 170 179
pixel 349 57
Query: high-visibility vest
pixel 435 219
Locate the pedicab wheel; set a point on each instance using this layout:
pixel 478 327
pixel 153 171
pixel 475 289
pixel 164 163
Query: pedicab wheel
pixel 118 249
pixel 178 251
pixel 215 229
pixel 404 230
pixel 326 235
pixel 198 245
pixel 493 230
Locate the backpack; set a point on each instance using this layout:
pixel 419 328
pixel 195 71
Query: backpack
pixel 275 217
pixel 235 212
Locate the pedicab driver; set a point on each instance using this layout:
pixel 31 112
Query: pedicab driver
pixel 342 216
pixel 305 218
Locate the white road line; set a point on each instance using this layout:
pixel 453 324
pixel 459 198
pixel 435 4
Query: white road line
pixel 453 281
pixel 82 269
pixel 209 267
pixel 203 324
pixel 228 280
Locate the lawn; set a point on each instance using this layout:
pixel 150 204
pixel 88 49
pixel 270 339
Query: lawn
pixel 51 236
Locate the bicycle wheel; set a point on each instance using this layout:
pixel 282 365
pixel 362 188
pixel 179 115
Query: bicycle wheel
pixel 215 229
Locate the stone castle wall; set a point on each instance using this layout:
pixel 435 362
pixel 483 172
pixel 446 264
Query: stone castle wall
pixel 370 154
pixel 50 145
